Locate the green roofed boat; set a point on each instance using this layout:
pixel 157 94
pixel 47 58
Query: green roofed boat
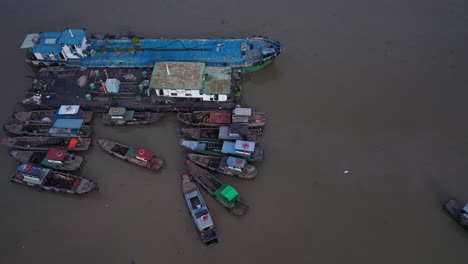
pixel 224 193
pixel 120 116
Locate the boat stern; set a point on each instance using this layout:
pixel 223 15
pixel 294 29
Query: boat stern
pixel 85 186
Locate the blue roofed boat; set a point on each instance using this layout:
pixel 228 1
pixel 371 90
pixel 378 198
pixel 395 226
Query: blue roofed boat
pixel 72 48
pixel 240 148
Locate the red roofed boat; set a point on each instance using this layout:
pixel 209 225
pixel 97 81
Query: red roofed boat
pixel 139 156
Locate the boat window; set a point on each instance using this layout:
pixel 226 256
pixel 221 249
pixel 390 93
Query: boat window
pixel 62 56
pixel 188 94
pixel 173 94
pixel 195 202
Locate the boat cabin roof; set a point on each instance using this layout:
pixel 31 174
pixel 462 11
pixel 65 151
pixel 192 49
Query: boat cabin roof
pixel 56 154
pixel 245 145
pixel 242 111
pixel 228 192
pixel 33 172
pixel 199 210
pixel 236 162
pixel 192 144
pixel 72 36
pixel 68 123
pixel 117 111
pixel 140 153
pixel 69 109
pixel 30 41
pixel 220 118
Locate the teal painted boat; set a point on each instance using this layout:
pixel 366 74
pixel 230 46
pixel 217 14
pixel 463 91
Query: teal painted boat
pixel 239 148
pixel 72 47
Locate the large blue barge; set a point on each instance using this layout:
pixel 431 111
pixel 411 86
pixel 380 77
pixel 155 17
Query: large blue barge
pixel 72 48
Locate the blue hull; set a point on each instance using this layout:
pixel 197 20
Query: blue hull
pixel 236 53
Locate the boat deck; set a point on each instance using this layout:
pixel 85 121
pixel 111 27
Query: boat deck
pixel 57 86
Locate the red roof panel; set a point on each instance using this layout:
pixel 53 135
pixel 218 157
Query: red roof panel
pixel 56 154
pixel 220 117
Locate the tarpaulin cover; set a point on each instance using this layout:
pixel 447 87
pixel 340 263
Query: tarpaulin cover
pixel 220 117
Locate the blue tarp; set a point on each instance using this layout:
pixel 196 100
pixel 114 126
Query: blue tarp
pixel 68 123
pixel 72 36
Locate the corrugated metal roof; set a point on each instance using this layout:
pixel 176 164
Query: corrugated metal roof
pixel 72 36
pixel 177 75
pixel 217 80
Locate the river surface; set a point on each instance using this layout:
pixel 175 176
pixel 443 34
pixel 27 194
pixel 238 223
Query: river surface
pixel 377 89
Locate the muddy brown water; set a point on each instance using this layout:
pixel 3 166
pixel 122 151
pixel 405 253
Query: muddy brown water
pixel 377 88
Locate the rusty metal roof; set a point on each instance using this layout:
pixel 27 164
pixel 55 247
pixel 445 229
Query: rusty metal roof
pixel 177 75
pixel 217 80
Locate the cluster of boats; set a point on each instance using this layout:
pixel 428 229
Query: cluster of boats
pixel 45 142
pixel 187 74
pixel 219 142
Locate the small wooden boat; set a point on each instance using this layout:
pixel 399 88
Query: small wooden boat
pixel 48 116
pixel 220 118
pixel 120 116
pixel 51 180
pixel 231 132
pixel 225 194
pixel 139 156
pixel 228 165
pixel 57 159
pixel 239 148
pixel 45 143
pixel 42 130
pixel 199 211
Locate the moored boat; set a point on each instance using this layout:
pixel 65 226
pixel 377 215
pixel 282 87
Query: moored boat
pixel 138 156
pixel 45 143
pixel 199 211
pixel 48 116
pixel 231 132
pixel 73 48
pixel 239 148
pixel 224 193
pixel 221 118
pixel 228 165
pixel 58 159
pixel 458 211
pixel 122 116
pixel 43 130
pixel 51 180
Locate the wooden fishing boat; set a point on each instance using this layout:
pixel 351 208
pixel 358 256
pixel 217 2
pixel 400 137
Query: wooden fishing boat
pixel 57 159
pixel 199 211
pixel 45 143
pixel 228 165
pixel 138 156
pixel 51 180
pixel 48 116
pixel 120 116
pixel 220 118
pixel 231 132
pixel 43 130
pixel 225 194
pixel 239 148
